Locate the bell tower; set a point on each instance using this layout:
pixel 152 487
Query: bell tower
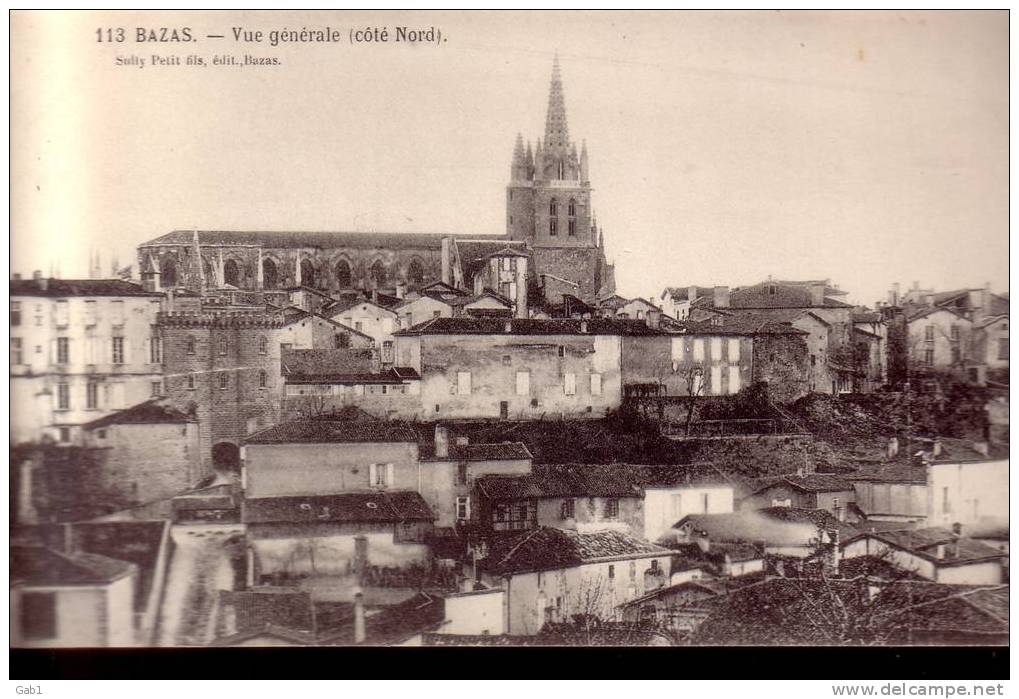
pixel 548 200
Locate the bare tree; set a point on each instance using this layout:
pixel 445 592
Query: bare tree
pixel 694 379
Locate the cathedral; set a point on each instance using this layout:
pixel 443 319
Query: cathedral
pixel 548 220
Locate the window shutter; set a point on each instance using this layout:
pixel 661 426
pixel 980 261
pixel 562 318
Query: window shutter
pixel 595 384
pixel 570 384
pixel 372 473
pixel 389 475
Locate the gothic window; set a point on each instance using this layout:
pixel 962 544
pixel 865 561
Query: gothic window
pixel 231 273
pixel 553 208
pixel 572 223
pixel 168 273
pixel 263 345
pixel 553 227
pixel 572 210
pixel 307 274
pixel 270 275
pixel 415 273
pixel 343 274
pixel 378 274
pixel 190 344
pixel 562 171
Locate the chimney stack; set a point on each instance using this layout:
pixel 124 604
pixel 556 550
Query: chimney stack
pixel 441 442
pixel 721 297
pixel 893 447
pixel 401 290
pixel 359 630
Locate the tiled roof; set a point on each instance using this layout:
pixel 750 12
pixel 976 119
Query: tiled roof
pixel 546 548
pixel 613 634
pixel 37 566
pixel 327 431
pixel 474 254
pixel 151 412
pixel 252 610
pixel 393 624
pixel 309 239
pixel 866 317
pixel 595 480
pixel 502 451
pixel 325 362
pixel 773 525
pixel 741 325
pixel 79 287
pixel 382 506
pixel 785 296
pixel 818 483
pixel 530 326
pixel 926 542
pixel 490 294
pixel 896 472
pixel 917 313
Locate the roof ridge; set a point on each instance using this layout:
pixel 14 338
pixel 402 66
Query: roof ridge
pixel 519 544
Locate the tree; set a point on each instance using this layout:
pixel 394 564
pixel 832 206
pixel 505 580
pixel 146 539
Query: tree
pixel 694 379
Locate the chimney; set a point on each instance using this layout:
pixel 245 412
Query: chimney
pixel 817 294
pixel 359 631
pixel 936 448
pixel 721 297
pixel 26 508
pixel 360 556
pixel 401 290
pixel 691 294
pixel 447 263
pixel 441 442
pixel 893 447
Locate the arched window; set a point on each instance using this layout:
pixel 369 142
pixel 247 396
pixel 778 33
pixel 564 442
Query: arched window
pixel 263 379
pixel 168 273
pixel 343 274
pixel 562 171
pixel 231 273
pixel 270 275
pixel 571 224
pixel 572 209
pixel 190 345
pixel 415 273
pixel 263 345
pixel 553 207
pixel 307 274
pixel 378 274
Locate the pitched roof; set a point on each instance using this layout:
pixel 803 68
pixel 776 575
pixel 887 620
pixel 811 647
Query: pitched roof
pixel 546 548
pixel 37 566
pixel 812 483
pixel 773 525
pixel 327 430
pixel 151 412
pixel 378 506
pixel 309 239
pixel 894 472
pixel 737 325
pixel 926 542
pixel 252 610
pixel 918 313
pixel 529 326
pixel 325 362
pixel 785 296
pixel 595 480
pixel 393 624
pixel 474 254
pixel 79 287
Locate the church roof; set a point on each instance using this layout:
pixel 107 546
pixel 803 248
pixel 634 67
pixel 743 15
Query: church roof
pixel 310 239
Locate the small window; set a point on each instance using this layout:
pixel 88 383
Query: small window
pixel 506 360
pixel 190 345
pixel 17 354
pixel 101 434
pixel 224 382
pixel 191 382
pixel 562 350
pixel 569 509
pixel 928 333
pixel 611 510
pixel 63 396
pixel 118 350
pixel 64 434
pixel 570 384
pixel 157 388
pixel 263 345
pixel 223 346
pixel 612 572
pixel 463 508
pixel 263 379
pixel 91 395
pixel 928 357
pixel 15 312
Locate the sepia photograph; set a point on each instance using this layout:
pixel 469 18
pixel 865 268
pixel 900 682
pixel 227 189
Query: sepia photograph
pixel 557 329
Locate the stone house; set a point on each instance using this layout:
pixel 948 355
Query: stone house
pixel 932 553
pixel 75 600
pixel 811 491
pixel 150 450
pixel 502 368
pixel 80 349
pixel 553 575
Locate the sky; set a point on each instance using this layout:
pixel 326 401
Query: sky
pixel 725 147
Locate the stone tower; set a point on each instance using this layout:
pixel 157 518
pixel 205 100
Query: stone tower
pixel 548 201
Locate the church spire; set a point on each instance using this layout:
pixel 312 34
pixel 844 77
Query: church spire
pixel 557 133
pixel 519 169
